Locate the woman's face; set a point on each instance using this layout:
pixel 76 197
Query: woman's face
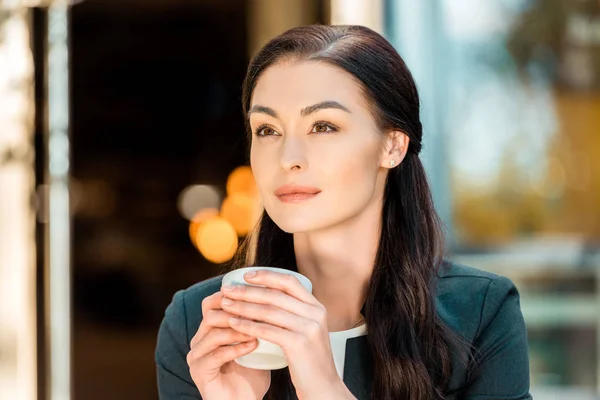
pixel 312 128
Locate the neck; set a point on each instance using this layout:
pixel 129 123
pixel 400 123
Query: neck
pixel 339 261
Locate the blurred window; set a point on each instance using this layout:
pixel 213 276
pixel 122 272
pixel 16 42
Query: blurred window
pixel 511 113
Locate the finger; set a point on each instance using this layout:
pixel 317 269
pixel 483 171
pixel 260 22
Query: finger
pixel 273 334
pixel 261 295
pixel 286 283
pixel 212 319
pixel 212 302
pixel 265 313
pixel 217 319
pixel 223 355
pixel 216 338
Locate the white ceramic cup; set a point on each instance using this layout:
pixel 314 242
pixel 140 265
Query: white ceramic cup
pixel 267 355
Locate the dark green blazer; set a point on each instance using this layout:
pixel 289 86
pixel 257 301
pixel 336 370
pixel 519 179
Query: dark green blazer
pixel 482 307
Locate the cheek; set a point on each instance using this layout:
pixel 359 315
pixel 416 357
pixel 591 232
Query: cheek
pixel 261 165
pixel 353 171
pixel 359 176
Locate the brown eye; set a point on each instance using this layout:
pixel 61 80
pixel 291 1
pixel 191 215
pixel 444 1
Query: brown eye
pixel 321 127
pixel 265 131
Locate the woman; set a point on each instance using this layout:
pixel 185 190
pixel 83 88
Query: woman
pixel 333 118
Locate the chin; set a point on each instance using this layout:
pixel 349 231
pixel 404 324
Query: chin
pixel 289 225
pixel 297 223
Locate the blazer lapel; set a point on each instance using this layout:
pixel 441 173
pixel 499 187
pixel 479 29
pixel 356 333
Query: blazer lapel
pixel 358 368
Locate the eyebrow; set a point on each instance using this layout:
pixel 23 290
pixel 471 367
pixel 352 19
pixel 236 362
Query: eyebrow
pixel 304 112
pixel 322 106
pixel 262 110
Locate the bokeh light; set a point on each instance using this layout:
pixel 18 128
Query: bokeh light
pixel 241 180
pixel 217 240
pixel 197 197
pixel 198 219
pixel 240 209
pixel 214 226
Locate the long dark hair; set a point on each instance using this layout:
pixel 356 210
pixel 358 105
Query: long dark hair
pixel 410 346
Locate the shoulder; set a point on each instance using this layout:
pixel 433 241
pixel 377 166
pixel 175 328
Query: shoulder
pixel 180 323
pixel 184 314
pixel 484 308
pixel 468 298
pixel 190 301
pixel 200 290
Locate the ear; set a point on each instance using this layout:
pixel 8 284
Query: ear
pixel 395 147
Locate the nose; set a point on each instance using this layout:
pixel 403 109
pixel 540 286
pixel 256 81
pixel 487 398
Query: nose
pixel 293 157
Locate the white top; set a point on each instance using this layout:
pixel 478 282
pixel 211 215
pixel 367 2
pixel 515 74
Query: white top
pixel 338 345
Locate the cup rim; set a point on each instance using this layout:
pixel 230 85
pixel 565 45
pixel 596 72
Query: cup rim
pixel 275 269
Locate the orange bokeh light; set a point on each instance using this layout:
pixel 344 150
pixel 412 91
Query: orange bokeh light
pixel 217 240
pixel 241 180
pixel 200 217
pixel 240 209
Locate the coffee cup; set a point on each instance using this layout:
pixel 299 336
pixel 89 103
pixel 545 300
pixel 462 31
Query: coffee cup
pixel 267 356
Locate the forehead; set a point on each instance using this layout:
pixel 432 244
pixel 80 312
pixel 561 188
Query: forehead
pixel 294 85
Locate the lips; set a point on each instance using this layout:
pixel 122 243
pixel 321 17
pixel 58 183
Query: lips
pixel 293 193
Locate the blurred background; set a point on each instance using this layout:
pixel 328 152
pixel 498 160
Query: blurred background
pixel 123 169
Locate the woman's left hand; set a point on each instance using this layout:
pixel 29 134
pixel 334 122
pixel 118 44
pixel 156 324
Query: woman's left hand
pixel 286 314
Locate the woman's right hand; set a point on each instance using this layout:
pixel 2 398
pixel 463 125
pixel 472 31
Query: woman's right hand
pixel 210 359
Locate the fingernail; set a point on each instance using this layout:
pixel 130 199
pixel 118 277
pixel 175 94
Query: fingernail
pixel 234 321
pixel 227 288
pixel 250 274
